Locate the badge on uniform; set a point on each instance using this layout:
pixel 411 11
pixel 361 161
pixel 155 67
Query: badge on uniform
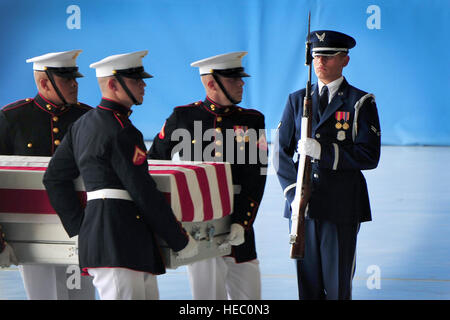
pixel 341 135
pixel 139 156
pixel 241 133
pixel 341 115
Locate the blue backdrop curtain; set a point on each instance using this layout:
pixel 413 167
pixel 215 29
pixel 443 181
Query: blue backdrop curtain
pixel 401 56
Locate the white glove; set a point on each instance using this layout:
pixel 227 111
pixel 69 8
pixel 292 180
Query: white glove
pixel 309 147
pixel 189 251
pixel 7 257
pixel 236 235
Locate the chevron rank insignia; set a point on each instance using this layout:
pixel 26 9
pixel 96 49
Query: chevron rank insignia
pixel 139 156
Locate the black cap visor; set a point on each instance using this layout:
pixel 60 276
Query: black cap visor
pixel 230 73
pixel 65 72
pixel 134 73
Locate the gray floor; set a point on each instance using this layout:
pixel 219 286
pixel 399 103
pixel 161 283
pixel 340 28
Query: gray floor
pixel 402 254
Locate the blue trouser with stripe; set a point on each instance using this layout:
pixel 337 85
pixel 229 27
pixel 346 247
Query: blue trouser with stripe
pixel 327 270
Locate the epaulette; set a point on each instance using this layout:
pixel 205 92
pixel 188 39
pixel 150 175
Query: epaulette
pixel 17 104
pixel 251 111
pixel 193 104
pixel 83 106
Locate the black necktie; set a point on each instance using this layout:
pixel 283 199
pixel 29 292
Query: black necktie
pixel 323 99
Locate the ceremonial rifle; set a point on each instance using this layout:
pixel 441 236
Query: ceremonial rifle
pixel 303 189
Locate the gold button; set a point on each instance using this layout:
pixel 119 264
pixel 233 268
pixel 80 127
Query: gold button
pixel 249 213
pixel 227 109
pixel 57 142
pixel 219 119
pixel 55 130
pixel 218 154
pixel 218 129
pixel 246 222
pixel 27 99
pixel 239 139
pixel 55 119
pixel 194 141
pixel 138 217
pixel 49 107
pixel 252 204
pixel 197 103
pixel 219 142
pixel 29 145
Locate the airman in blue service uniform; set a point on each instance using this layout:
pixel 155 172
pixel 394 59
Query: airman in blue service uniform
pixel 345 140
pixel 117 229
pixel 217 129
pixel 36 127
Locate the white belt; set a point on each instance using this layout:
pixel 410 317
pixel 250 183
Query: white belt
pixel 108 194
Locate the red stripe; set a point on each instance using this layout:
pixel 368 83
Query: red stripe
pixel 187 206
pixel 23 168
pixel 202 178
pixel 37 201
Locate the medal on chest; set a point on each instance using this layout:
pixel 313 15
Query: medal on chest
pixel 342 119
pixel 342 116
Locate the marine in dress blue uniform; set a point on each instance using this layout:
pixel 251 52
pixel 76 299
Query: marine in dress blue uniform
pixel 346 140
pixel 36 127
pixel 208 125
pixel 125 211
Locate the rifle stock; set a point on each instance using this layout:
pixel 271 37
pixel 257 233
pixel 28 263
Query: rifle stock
pixel 303 189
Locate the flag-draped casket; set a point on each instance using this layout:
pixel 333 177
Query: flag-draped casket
pixel 200 194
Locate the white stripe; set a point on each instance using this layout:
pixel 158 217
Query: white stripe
pixel 108 194
pixel 289 188
pixel 318 49
pixel 336 156
pixel 357 107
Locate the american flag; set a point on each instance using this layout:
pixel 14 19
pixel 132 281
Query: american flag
pixel 196 191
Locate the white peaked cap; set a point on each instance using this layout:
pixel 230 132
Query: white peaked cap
pixel 63 59
pixel 220 62
pixel 107 66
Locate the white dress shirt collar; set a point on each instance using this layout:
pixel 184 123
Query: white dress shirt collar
pixel 332 87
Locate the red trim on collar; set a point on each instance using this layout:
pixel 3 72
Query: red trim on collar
pixel 114 113
pixel 218 105
pixel 56 106
pixel 110 100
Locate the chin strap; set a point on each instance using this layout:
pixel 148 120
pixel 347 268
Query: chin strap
pixel 124 86
pixel 216 77
pixel 52 80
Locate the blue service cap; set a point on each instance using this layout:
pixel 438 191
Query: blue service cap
pixel 330 43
